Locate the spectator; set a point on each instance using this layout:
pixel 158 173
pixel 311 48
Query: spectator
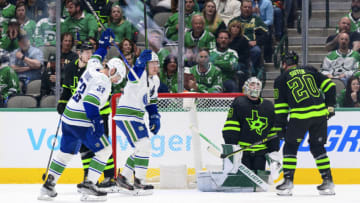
pixel 168 75
pixel 241 45
pixel 189 81
pixel 121 27
pixel 228 9
pixel 93 42
pixel 213 21
pixel 354 16
pixel 48 77
pixel 207 75
pixel 156 44
pixel 198 37
pixel 278 18
pixel 129 47
pixel 79 22
pixel 9 42
pixel 7 12
pixel 343 62
pixel 45 32
pixel 9 81
pixel 350 96
pixel 255 31
pixel 36 9
pixel 26 24
pixel 172 25
pixel 264 10
pixel 227 60
pixel 67 42
pixel 344 26
pixel 26 61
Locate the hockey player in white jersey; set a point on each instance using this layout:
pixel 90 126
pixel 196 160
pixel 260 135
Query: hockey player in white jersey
pixel 82 123
pixel 130 119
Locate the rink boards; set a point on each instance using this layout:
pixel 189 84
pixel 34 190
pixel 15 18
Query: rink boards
pixel 26 139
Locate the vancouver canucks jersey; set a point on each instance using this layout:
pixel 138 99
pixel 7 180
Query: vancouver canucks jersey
pixel 299 91
pixel 94 87
pixel 132 103
pixel 249 121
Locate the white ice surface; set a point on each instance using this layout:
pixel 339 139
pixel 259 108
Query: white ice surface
pixel 27 193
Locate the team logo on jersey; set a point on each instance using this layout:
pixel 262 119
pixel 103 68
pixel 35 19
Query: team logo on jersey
pixel 276 93
pixel 230 113
pixel 257 123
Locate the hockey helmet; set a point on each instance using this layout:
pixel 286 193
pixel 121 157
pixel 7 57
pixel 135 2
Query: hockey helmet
pixel 119 67
pixel 154 57
pixel 252 87
pixel 290 58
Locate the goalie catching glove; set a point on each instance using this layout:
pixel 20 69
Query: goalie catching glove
pixel 154 118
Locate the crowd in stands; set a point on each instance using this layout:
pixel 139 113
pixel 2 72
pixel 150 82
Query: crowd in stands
pixel 226 41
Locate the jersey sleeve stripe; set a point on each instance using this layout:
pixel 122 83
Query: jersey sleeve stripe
pixel 329 86
pixel 92 100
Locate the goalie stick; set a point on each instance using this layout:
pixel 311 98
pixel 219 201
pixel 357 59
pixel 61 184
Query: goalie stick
pixel 220 155
pixel 52 150
pixel 115 45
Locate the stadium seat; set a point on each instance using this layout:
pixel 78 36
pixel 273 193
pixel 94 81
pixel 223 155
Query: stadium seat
pixel 22 102
pixel 161 18
pixel 33 88
pixel 48 101
pixel 339 85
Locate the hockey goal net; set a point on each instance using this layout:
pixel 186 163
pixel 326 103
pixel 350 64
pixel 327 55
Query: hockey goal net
pixel 183 117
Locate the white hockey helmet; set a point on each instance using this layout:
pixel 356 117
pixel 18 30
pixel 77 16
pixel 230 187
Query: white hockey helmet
pixel 120 69
pixel 154 57
pixel 252 87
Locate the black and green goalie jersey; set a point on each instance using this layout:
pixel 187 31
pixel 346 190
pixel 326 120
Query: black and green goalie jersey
pixel 250 121
pixel 300 92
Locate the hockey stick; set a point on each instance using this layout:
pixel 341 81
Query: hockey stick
pixel 220 155
pixel 194 129
pixel 52 150
pixel 146 47
pixel 113 40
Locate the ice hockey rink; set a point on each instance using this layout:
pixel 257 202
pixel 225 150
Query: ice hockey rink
pixel 27 193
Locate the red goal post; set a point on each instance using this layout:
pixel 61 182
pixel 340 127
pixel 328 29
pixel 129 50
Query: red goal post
pixel 179 102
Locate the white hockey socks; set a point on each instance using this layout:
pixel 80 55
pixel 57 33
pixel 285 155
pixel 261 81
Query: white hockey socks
pixel 98 163
pixel 58 164
pixel 141 157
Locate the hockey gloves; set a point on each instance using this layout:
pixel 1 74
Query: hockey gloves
pixel 105 38
pixel 154 118
pixel 144 57
pixel 61 108
pixel 331 110
pixel 98 124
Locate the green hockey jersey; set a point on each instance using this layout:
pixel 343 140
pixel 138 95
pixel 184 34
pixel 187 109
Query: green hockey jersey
pixel 206 40
pixel 86 26
pixel 45 33
pixel 171 31
pixel 122 31
pixel 210 81
pixel 227 61
pixel 9 82
pixel 336 63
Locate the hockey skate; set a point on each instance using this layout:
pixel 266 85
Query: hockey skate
pixel 90 192
pixel 327 187
pixel 285 189
pixel 124 185
pixel 142 188
pixel 47 191
pixel 108 185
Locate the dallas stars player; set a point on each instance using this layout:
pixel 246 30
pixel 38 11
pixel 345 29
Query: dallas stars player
pixel 249 120
pixel 297 91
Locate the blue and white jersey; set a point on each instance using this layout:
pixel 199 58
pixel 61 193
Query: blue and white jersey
pixel 132 103
pixel 94 87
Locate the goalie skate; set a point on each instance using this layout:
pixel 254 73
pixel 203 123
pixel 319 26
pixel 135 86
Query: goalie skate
pixel 142 189
pixel 327 187
pixel 285 189
pixel 47 191
pixel 90 192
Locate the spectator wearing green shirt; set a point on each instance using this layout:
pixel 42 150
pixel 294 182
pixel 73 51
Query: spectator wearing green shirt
pixel 9 41
pixel 79 23
pixel 121 27
pixel 7 11
pixel 350 96
pixel 26 23
pixel 168 75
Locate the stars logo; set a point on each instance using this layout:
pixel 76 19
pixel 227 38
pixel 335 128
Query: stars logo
pixel 257 123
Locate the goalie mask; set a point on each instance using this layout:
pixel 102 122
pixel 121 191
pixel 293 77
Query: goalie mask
pixel 252 87
pixel 117 69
